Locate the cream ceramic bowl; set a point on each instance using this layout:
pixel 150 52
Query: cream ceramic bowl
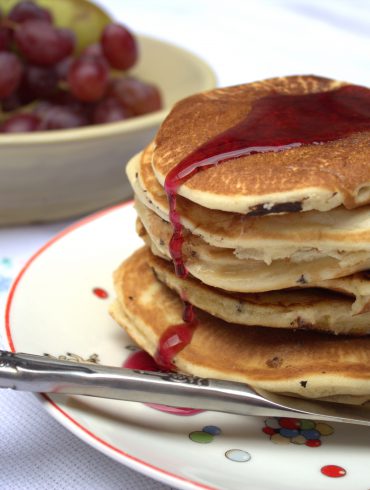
pixel 52 175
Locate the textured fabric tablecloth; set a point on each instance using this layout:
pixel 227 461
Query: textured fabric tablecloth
pixel 243 40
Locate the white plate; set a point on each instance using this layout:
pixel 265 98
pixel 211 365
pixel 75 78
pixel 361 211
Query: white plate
pixel 52 309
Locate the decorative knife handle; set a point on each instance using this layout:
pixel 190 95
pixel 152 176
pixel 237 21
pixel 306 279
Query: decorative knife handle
pixel 28 372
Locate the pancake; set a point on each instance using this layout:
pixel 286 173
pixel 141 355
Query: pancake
pixel 357 285
pixel 312 176
pixel 301 363
pixel 332 233
pixel 219 267
pixel 297 236
pixel 310 309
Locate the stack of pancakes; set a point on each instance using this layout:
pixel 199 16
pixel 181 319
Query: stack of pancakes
pixel 276 244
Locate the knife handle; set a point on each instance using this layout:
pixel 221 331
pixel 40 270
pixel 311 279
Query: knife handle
pixel 34 373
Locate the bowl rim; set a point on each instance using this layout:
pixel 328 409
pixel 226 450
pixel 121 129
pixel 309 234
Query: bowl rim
pixel 120 127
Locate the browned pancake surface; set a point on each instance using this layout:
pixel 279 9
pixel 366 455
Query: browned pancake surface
pixel 306 363
pixel 340 166
pixel 310 309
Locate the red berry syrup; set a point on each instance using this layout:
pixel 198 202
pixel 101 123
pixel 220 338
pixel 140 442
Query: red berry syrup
pixel 176 338
pixel 276 122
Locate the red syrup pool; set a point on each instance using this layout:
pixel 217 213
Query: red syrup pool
pixel 276 122
pixel 143 361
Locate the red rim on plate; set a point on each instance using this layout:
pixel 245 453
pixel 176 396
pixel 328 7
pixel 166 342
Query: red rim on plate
pixel 78 429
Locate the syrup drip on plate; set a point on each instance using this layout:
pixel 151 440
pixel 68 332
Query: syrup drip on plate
pixel 143 361
pixel 276 122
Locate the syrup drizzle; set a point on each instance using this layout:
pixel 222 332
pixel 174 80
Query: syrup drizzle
pixel 276 122
pixel 175 338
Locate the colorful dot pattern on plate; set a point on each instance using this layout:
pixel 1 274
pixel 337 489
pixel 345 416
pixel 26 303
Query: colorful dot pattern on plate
pixel 100 293
pixel 295 431
pixel 201 437
pixel 333 471
pixel 212 429
pixel 205 435
pixel 238 455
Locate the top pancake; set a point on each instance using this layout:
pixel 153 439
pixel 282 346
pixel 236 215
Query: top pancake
pixel 319 177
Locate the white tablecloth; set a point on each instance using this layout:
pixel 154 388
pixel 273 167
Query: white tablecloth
pixel 243 40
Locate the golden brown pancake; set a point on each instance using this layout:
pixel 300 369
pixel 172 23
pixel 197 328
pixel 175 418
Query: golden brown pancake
pixel 297 236
pixel 220 267
pixel 315 176
pixel 357 285
pixel 308 364
pixel 310 309
pixel 309 235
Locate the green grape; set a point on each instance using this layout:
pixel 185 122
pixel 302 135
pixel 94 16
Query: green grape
pixel 86 19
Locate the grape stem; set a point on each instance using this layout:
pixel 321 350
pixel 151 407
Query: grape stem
pixel 25 109
pixel 63 85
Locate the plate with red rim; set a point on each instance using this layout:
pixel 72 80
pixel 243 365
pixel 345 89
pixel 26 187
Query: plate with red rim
pixel 58 305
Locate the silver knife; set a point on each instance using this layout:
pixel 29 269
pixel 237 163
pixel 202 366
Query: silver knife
pixel 41 374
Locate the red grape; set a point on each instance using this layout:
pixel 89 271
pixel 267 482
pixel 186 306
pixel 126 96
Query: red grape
pixel 68 38
pixel 62 68
pixel 137 96
pixel 94 50
pixel 63 98
pixel 41 43
pixel 5 38
pixel 27 10
pixel 10 73
pixel 24 93
pixel 41 81
pixel 11 103
pixel 61 117
pixel 110 110
pixel 21 123
pixel 37 64
pixel 119 46
pixel 88 78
